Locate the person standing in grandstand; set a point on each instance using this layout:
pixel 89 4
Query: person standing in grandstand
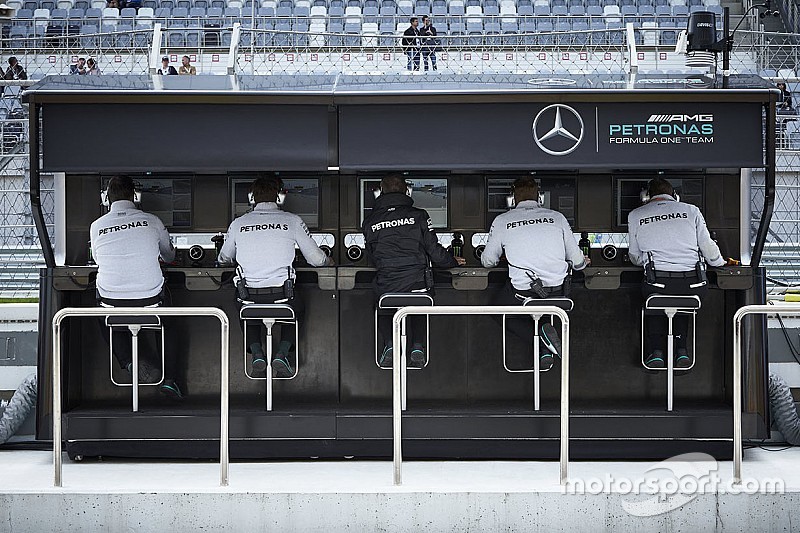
pixel 127 243
pixel 429 42
pixel 540 248
pixel 671 241
pixel 262 242
pixel 186 68
pixel 411 44
pixel 93 69
pixel 15 70
pixel 401 243
pixel 167 69
pixel 79 68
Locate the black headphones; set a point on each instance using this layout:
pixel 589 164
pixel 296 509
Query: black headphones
pixel 409 189
pixel 511 202
pixel 251 199
pixel 644 195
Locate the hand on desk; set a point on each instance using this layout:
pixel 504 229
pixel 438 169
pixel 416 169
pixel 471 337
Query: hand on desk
pixel 461 261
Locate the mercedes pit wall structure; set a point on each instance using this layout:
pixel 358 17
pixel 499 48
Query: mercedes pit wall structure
pixel 194 145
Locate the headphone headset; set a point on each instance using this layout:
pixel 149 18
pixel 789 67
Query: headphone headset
pixel 511 202
pixel 409 189
pixel 644 195
pixel 137 197
pixel 251 199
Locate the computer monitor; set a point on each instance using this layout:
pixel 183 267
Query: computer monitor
pixel 558 194
pixel 302 198
pixel 628 194
pixel 429 194
pixel 170 199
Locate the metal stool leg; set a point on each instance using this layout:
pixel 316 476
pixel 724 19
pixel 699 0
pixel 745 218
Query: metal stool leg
pixel 268 354
pixel 403 369
pixel 536 362
pixel 670 357
pixel 135 364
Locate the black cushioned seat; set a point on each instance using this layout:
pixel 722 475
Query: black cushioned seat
pixel 562 303
pixel 396 301
pixel 268 311
pixel 659 301
pixel 130 320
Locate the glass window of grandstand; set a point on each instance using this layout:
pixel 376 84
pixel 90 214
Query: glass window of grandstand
pixel 429 194
pixel 558 193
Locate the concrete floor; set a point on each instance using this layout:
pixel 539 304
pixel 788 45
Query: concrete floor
pixel 117 495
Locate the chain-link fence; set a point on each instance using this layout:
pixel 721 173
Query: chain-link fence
pixel 552 47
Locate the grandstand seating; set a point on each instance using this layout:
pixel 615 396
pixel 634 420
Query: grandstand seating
pixel 376 22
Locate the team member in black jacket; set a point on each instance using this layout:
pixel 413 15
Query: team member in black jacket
pixel 401 244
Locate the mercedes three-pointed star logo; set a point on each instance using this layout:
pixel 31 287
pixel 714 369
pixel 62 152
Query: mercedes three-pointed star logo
pixel 562 141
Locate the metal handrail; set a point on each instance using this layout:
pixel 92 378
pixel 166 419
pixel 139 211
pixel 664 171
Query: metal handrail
pixel 777 309
pixel 398 324
pixel 140 311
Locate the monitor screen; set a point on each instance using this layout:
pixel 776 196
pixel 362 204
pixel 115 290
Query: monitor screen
pixel 628 194
pixel 429 194
pixel 302 198
pixel 558 194
pixel 170 199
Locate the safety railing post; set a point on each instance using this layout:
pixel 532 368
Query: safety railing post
pixel 84 312
pixel 397 389
pixel 738 317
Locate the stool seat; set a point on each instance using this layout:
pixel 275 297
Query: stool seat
pixel 562 303
pixel 266 311
pixel 398 300
pixel 664 301
pixel 132 320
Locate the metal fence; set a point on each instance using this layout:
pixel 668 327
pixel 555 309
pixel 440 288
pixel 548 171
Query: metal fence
pixel 253 50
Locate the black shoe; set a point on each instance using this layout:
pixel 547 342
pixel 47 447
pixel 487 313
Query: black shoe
pixel 171 390
pixel 282 367
pixel 682 359
pixel 385 360
pixel 147 372
pixel 546 361
pixel 550 339
pixel 417 357
pixel 259 361
pixel 655 360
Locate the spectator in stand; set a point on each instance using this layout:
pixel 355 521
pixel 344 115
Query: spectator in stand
pixel 113 3
pixel 78 68
pixel 186 68
pixel 15 70
pixel 167 69
pixel 429 42
pixel 411 45
pixel 784 104
pixel 93 69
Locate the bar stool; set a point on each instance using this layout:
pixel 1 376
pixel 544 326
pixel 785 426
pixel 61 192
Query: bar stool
pixel 670 306
pixel 394 301
pixel 134 324
pixel 562 303
pixel 269 315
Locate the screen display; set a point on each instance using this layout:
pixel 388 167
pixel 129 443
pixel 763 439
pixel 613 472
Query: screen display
pixel 429 194
pixel 629 194
pixel 302 198
pixel 170 199
pixel 558 194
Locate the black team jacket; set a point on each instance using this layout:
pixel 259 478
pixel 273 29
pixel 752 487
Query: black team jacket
pixel 400 242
